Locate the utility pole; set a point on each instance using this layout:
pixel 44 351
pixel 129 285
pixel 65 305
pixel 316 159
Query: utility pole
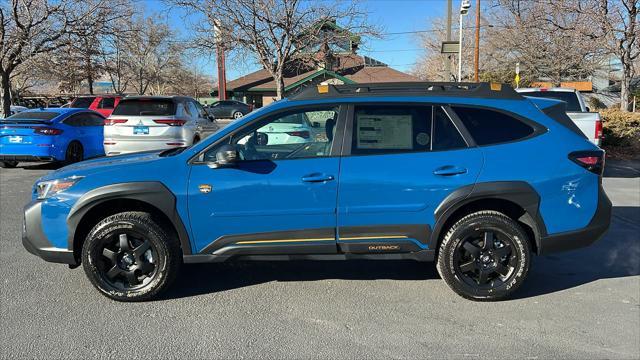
pixel 222 72
pixel 476 55
pixel 449 13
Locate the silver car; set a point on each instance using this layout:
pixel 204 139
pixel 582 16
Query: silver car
pixel 141 123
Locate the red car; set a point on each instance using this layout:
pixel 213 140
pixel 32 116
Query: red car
pixel 104 104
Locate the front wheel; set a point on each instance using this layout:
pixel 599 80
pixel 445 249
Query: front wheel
pixel 8 164
pixel 484 256
pixel 237 115
pixel 129 257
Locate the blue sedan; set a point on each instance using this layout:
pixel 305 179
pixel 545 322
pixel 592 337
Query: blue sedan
pixel 52 134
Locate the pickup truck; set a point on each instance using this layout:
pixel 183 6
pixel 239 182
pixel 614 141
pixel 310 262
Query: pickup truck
pixel 589 122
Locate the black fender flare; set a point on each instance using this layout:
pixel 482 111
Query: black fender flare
pixel 151 192
pixel 518 192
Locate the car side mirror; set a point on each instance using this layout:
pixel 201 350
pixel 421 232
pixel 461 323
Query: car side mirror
pixel 227 156
pixel 315 124
pixel 211 118
pixel 588 110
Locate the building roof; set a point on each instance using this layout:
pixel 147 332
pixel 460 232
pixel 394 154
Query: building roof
pixel 350 68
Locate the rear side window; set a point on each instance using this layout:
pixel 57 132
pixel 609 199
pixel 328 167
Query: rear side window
pixel 391 129
pixel 570 97
pixel 146 107
pixel 445 134
pixel 492 127
pixel 82 102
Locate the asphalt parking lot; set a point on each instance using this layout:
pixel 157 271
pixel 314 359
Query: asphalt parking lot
pixel 581 304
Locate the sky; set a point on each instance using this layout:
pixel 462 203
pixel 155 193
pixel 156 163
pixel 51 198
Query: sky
pixel 399 51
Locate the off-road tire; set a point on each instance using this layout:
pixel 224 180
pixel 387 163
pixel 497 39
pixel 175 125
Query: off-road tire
pixel 166 254
pixel 452 244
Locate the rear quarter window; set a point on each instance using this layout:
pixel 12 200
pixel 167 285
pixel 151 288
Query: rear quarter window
pixel 492 127
pixel 146 107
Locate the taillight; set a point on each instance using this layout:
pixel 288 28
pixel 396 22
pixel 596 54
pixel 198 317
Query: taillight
pixel 47 131
pixel 590 160
pixel 598 129
pixel 302 134
pixel 170 122
pixel 108 122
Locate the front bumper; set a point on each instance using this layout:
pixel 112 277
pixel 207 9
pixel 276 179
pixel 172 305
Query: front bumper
pixel 586 236
pixel 35 241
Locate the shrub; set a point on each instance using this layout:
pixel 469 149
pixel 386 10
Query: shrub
pixel 621 128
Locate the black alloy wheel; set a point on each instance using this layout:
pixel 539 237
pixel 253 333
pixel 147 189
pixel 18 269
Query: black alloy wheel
pixel 128 261
pixel 74 153
pixel 130 257
pixel 484 256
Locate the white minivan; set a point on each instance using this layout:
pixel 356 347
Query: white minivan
pixel 142 123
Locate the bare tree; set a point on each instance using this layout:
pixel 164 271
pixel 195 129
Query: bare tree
pixel 614 26
pixel 29 28
pixel 275 32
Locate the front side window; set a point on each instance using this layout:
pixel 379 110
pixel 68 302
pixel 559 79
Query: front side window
pixel 284 136
pixel 492 127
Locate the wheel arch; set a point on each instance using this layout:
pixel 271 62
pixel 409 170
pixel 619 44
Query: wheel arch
pixel 516 199
pixel 97 204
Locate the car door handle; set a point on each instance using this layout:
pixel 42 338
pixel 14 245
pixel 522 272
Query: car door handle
pixel 317 178
pixel 449 170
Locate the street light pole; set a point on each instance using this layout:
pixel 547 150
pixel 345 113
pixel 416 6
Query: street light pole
pixel 464 9
pixel 460 50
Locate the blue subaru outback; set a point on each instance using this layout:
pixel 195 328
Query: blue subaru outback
pixel 472 176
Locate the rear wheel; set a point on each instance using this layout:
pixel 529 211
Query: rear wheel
pixel 74 153
pixel 8 164
pixel 237 114
pixel 129 257
pixel 484 256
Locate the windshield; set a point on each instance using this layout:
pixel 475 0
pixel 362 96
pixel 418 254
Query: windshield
pixel 142 107
pixel 32 116
pixel 571 98
pixel 82 102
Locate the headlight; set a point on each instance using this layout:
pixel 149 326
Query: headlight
pixel 47 189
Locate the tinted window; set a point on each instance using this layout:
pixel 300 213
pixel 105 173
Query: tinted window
pixel 94 120
pixel 201 111
pixel 391 129
pixel 75 120
pixel 36 115
pixel 571 98
pixel 492 127
pixel 142 107
pixel 193 110
pixel 82 102
pixel 107 103
pixel 445 134
pixel 274 139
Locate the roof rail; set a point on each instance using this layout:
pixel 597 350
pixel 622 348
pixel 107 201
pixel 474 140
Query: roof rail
pixel 479 90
